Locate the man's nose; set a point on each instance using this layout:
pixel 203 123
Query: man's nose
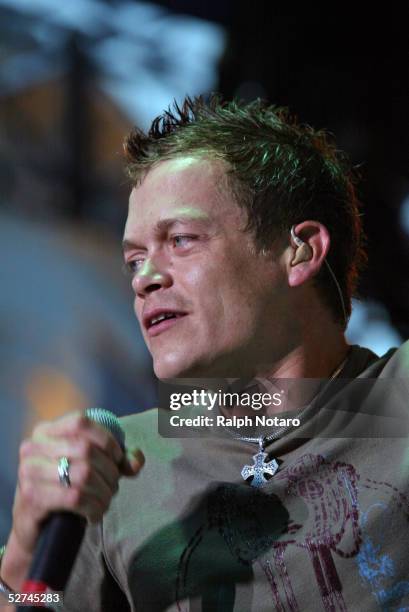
pixel 150 277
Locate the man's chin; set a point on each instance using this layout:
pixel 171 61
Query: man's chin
pixel 166 369
pixel 173 373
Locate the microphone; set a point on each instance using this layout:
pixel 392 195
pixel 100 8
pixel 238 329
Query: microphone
pixel 62 533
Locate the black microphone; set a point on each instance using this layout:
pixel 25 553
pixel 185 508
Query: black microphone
pixel 62 535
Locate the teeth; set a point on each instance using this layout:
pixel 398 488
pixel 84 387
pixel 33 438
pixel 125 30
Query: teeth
pixel 161 317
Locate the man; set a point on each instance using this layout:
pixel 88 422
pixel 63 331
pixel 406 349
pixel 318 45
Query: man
pixel 244 244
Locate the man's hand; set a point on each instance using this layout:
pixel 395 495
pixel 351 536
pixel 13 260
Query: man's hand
pixel 97 462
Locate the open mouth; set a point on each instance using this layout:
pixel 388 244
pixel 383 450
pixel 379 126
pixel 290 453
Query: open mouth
pixel 162 321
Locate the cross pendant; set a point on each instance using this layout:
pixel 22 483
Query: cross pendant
pixel 260 467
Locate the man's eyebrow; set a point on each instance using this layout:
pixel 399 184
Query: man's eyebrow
pixel 184 216
pixel 128 244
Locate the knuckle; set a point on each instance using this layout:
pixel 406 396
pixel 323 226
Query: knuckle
pixel 28 491
pixel 84 448
pixel 41 429
pixel 24 471
pixel 106 443
pixel 26 448
pixel 79 423
pixel 114 450
pixel 38 428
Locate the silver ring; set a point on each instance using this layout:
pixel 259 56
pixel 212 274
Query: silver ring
pixel 64 471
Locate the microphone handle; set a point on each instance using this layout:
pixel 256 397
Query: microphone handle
pixel 55 555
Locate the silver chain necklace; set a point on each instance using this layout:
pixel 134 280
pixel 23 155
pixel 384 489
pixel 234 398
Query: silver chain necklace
pixel 255 474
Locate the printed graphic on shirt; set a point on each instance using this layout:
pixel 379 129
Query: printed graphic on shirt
pixel 328 524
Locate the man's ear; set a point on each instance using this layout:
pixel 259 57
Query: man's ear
pixel 309 245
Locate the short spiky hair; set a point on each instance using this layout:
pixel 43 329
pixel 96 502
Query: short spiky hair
pixel 282 172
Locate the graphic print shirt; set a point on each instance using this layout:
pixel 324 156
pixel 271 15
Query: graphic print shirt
pixel 329 531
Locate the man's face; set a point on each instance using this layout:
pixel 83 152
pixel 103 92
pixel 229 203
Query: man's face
pixel 194 265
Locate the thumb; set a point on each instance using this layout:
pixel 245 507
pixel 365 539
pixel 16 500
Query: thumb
pixel 132 462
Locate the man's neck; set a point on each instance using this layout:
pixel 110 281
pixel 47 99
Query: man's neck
pixel 300 375
pixel 316 360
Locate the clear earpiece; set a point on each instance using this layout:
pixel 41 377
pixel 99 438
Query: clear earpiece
pixel 299 242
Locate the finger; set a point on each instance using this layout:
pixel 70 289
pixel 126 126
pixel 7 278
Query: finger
pixel 132 462
pixel 45 469
pixel 100 463
pixel 47 498
pixel 58 426
pixel 77 425
pixel 106 468
pixel 83 447
pixel 40 486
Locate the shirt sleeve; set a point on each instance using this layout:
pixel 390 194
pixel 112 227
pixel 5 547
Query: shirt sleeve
pixel 91 585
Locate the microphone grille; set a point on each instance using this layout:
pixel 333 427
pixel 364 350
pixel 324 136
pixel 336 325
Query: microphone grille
pixel 108 420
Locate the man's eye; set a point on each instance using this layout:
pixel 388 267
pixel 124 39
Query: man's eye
pixel 133 266
pixel 180 241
